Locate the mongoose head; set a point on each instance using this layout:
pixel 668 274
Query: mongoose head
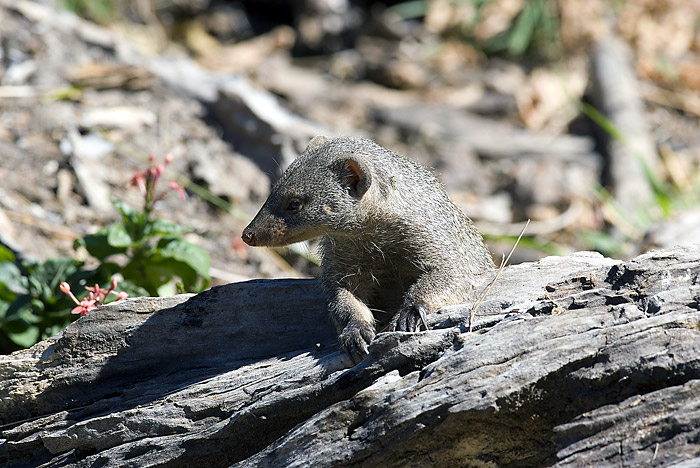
pixel 318 194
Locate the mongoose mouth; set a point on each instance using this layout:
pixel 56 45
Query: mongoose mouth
pixel 255 238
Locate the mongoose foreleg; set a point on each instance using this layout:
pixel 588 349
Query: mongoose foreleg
pixel 353 321
pixel 426 295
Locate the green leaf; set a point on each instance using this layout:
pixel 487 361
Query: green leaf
pixel 602 121
pixel 53 271
pixel 54 329
pixel 118 237
pixel 11 283
pixel 105 271
pixel 18 307
pixel 133 289
pixel 133 220
pixel 128 213
pixel 25 338
pixel 164 228
pixel 521 34
pixel 38 307
pixel 3 311
pixel 186 252
pixel 63 93
pixel 411 9
pixel 604 243
pixel 62 315
pixel 168 289
pixel 22 318
pixel 154 271
pixel 172 257
pixel 15 325
pixel 98 245
pixel 6 255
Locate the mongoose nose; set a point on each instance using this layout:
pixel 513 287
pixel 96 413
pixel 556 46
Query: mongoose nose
pixel 248 237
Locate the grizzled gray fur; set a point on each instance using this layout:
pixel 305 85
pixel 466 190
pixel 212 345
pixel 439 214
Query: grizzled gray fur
pixel 394 246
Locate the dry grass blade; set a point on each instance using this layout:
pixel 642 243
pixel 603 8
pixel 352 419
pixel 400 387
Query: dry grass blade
pixel 504 262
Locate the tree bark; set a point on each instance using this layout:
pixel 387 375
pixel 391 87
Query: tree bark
pixel 575 361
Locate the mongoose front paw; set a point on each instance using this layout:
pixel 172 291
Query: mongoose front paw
pixel 409 319
pixel 355 338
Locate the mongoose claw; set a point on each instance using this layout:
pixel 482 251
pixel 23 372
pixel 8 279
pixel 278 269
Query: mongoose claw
pixel 355 338
pixel 409 319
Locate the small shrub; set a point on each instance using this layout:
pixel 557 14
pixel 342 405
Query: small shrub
pixel 37 299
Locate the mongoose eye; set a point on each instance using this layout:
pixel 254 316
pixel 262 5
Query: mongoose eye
pixel 294 205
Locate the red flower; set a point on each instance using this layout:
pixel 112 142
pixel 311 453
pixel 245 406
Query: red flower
pixel 86 305
pixel 179 189
pixel 147 180
pixel 95 298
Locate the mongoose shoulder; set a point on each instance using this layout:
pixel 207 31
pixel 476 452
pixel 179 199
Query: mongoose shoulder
pixel 394 247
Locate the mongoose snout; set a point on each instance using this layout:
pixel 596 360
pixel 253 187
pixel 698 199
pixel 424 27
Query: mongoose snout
pixel 394 247
pixel 248 237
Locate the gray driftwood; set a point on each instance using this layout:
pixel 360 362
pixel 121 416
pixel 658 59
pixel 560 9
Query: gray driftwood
pixel 632 151
pixel 575 361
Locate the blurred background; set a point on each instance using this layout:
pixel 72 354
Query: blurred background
pixel 580 115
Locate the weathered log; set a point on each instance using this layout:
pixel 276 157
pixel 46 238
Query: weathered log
pixel 486 137
pixel 575 361
pixel 631 152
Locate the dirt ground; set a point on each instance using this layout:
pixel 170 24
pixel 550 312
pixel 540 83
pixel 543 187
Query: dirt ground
pixel 503 130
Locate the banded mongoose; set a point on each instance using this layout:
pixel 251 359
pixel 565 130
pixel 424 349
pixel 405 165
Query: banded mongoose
pixel 394 246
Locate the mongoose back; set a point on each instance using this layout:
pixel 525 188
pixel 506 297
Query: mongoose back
pixel 394 247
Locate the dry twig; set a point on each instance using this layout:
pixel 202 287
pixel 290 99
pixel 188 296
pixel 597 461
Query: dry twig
pixel 504 262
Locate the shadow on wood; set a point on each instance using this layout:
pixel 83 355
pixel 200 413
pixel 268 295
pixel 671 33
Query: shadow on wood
pixel 576 361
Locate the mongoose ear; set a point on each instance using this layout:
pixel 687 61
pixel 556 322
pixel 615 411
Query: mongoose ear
pixel 357 178
pixel 316 141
